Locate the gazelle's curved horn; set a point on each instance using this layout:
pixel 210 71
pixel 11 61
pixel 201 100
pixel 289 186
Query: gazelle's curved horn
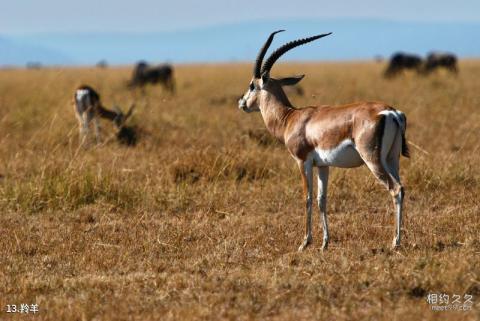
pixel 129 112
pixel 261 54
pixel 286 47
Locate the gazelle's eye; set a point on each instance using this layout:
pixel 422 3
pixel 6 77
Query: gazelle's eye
pixel 252 87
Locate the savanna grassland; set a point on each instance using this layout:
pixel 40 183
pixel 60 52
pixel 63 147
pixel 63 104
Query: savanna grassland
pixel 203 218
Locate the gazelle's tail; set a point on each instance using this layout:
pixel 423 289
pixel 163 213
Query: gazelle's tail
pixel 401 121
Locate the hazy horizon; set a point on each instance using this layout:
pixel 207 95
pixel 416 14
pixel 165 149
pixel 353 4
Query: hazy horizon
pixel 27 16
pixel 55 32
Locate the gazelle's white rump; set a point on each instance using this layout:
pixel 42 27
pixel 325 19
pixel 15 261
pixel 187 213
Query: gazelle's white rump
pixel 397 115
pixel 80 93
pixel 344 155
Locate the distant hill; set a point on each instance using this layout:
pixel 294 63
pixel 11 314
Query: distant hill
pixel 351 39
pixel 19 54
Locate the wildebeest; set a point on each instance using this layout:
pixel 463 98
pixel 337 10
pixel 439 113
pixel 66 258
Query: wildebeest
pixel 402 61
pixel 438 60
pixel 144 74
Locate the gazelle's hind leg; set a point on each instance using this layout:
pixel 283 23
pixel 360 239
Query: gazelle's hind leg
pixel 306 170
pixel 384 166
pixel 391 163
pixel 396 191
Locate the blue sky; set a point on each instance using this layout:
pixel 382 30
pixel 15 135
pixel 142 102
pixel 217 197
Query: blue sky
pixel 82 32
pixel 32 16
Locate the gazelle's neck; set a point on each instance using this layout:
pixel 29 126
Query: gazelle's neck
pixel 106 113
pixel 275 108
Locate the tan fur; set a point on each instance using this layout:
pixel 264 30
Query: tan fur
pixel 322 127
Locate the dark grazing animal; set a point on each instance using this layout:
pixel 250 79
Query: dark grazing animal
pixel 437 60
pixel 34 65
pixel 102 64
pixel 144 74
pixel 402 61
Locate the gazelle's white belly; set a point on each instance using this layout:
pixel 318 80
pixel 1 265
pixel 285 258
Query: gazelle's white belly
pixel 344 155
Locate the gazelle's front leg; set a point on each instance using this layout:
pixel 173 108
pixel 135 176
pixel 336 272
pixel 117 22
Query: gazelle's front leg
pixel 322 202
pixel 306 170
pixel 83 129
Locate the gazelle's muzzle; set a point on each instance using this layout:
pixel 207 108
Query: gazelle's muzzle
pixel 242 104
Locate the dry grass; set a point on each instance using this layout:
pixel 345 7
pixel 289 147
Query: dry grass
pixel 202 219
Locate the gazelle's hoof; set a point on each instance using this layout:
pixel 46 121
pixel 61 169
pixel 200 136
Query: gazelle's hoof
pixel 395 244
pixel 324 245
pixel 306 242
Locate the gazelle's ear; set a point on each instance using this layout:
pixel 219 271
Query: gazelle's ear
pixel 290 81
pixel 265 78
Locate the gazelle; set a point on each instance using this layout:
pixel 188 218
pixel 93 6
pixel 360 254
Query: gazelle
pixel 88 108
pixel 371 133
